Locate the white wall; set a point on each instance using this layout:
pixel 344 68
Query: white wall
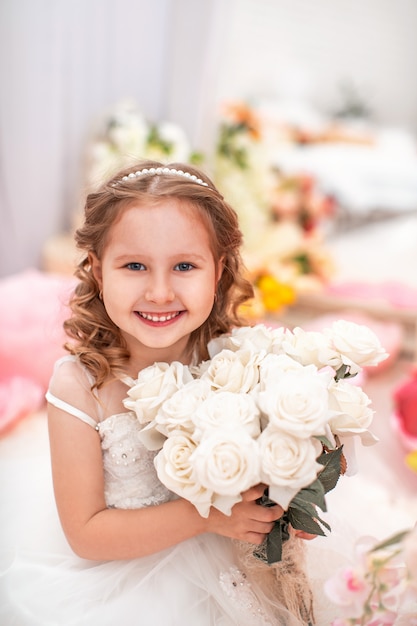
pixel 61 63
pixel 309 47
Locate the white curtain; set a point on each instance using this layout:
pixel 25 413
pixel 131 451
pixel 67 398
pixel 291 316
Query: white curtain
pixel 62 63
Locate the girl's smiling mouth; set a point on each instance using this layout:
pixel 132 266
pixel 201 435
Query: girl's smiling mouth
pixel 158 318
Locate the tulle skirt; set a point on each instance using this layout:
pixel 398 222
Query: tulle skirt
pixel 43 583
pixel 197 583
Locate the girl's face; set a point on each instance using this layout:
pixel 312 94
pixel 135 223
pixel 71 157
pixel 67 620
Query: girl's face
pixel 158 278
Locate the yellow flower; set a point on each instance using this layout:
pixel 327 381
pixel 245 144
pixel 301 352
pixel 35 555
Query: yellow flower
pixel 411 460
pixel 254 309
pixel 274 294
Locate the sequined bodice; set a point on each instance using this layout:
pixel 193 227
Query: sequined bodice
pixel 130 477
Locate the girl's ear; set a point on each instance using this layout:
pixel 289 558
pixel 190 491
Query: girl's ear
pixel 96 268
pixel 220 268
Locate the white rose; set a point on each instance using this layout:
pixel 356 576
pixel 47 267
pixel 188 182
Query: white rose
pixel 154 385
pixel 310 347
pixel 218 344
pixel 227 462
pixel 177 412
pixel 273 367
pixel 288 463
pixel 357 344
pixel 226 410
pixel 175 137
pixel 278 336
pixel 298 402
pixel 151 437
pixel 233 371
pixel 256 339
pixel 351 414
pixel 176 472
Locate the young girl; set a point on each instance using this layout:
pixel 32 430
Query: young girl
pixel 161 275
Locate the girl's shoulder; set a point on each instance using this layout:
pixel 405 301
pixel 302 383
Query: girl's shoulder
pixel 71 384
pixel 69 371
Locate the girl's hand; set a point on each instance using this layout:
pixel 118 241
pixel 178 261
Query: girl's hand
pixel 248 521
pixel 303 535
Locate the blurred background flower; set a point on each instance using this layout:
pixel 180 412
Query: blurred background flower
pixel 124 135
pixel 379 587
pixel 281 215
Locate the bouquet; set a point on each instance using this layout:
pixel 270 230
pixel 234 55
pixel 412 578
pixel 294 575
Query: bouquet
pixel 270 406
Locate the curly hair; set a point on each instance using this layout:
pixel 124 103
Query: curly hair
pixel 96 340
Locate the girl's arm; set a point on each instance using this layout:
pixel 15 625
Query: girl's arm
pixel 98 533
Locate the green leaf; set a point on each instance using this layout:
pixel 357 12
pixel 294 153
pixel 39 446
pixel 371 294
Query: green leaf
pixel 323 523
pixel 305 507
pixel 265 500
pixel 330 473
pixel 274 542
pixel 342 372
pixel 314 494
pixel 391 541
pixel 301 521
pixel 196 158
pixel 324 441
pixel 271 550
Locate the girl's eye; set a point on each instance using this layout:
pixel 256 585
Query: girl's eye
pixel 135 266
pixel 184 267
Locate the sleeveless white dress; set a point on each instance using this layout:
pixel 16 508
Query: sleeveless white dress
pixel 200 582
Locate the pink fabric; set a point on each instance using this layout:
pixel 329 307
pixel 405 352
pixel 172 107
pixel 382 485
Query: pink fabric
pixel 18 397
pixel 408 442
pixel 396 294
pixel 32 310
pixel 404 417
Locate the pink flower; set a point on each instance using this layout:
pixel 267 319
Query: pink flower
pixel 348 588
pixel 382 618
pixel 354 582
pixel 405 403
pixel 382 589
pixel 410 555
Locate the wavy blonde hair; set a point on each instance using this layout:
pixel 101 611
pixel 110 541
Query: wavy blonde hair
pixel 95 339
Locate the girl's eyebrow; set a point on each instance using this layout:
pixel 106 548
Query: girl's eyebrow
pixel 174 257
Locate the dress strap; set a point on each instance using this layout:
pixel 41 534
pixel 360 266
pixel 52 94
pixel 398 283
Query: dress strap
pixel 72 410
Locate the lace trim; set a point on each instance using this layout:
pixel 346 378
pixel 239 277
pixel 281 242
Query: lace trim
pixel 239 591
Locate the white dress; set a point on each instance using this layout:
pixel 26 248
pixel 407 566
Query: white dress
pixel 199 582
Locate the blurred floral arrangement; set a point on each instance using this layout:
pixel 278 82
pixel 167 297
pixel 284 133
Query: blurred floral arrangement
pixel 380 587
pixel 120 136
pixel 280 214
pixel 404 416
pixel 124 135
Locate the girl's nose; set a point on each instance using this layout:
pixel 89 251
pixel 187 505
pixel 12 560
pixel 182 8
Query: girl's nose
pixel 159 290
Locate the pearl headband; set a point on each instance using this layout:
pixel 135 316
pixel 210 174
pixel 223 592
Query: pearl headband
pixel 152 171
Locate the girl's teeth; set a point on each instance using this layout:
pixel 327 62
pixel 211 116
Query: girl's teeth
pixel 155 318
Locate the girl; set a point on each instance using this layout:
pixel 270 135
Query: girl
pixel 161 275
